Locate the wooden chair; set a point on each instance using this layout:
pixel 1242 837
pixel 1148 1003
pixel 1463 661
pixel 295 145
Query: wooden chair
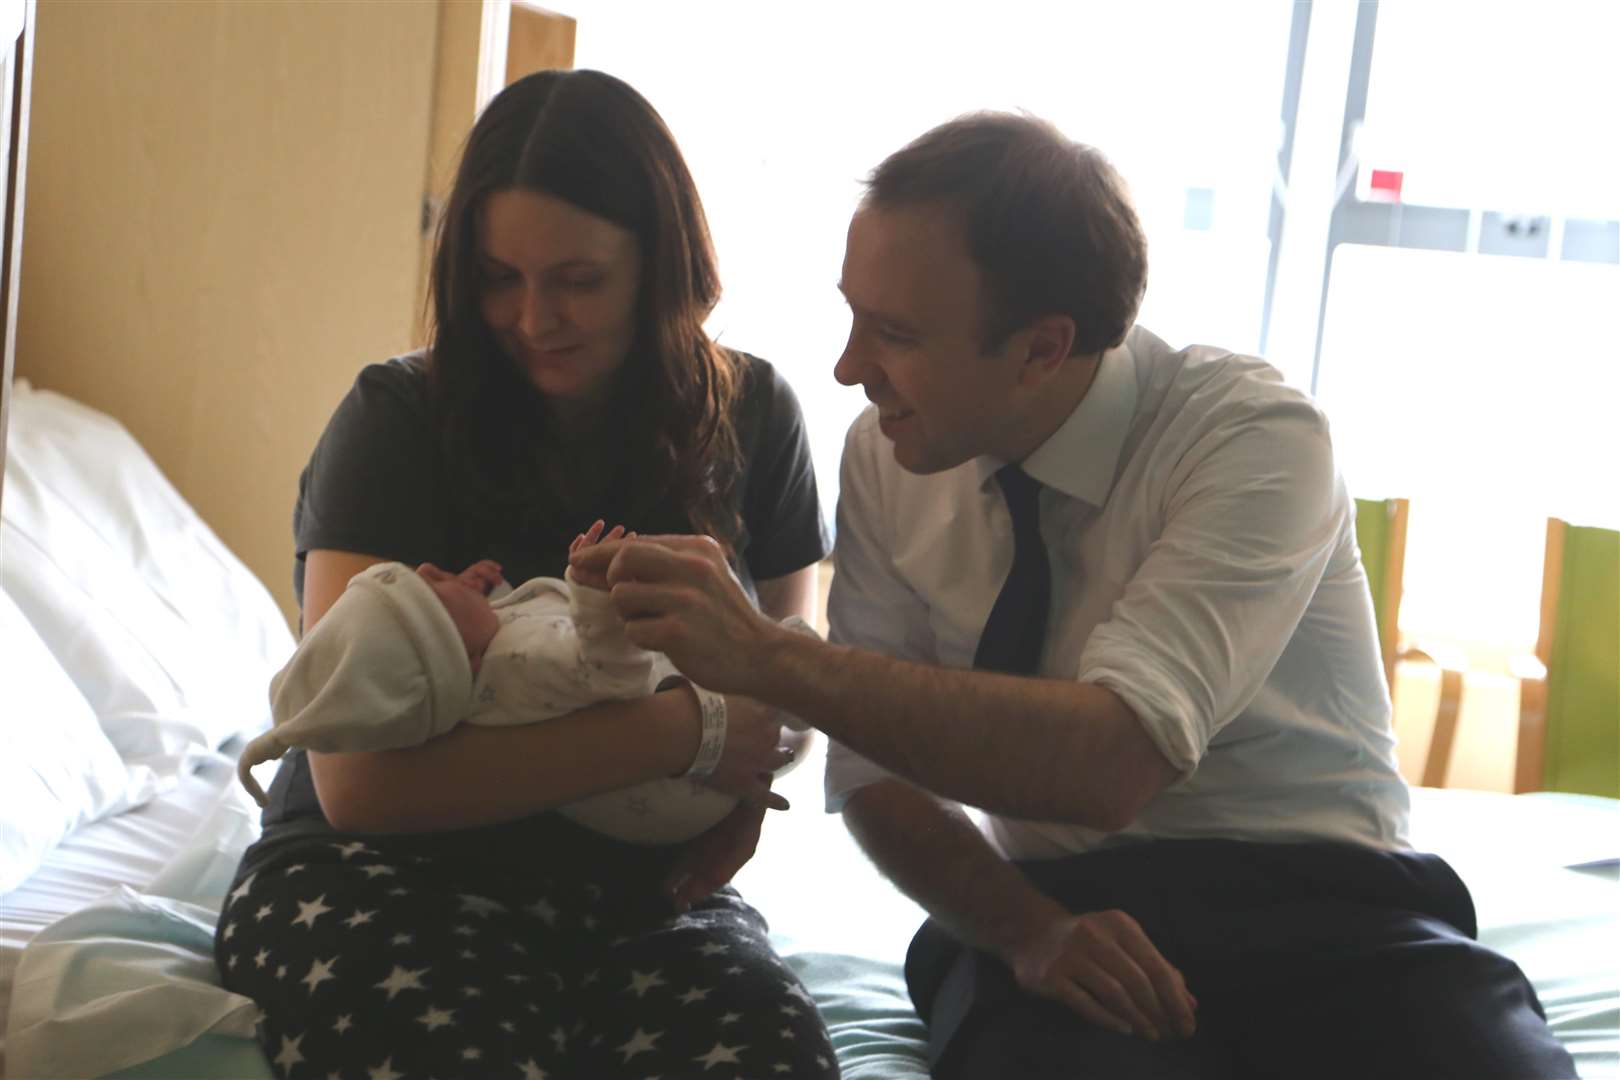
pixel 1569 717
pixel 1381 535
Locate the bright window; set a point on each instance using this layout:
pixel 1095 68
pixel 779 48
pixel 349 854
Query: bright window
pixel 781 116
pixel 1496 107
pixel 1469 358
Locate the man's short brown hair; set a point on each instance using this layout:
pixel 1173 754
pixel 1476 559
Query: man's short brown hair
pixel 1048 220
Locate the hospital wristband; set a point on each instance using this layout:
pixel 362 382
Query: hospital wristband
pixel 712 743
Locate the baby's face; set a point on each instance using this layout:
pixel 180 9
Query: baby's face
pixel 469 609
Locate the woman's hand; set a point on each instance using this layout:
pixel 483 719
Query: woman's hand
pixel 753 752
pixel 798 744
pixel 711 860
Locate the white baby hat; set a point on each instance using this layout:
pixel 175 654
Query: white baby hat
pixel 385 667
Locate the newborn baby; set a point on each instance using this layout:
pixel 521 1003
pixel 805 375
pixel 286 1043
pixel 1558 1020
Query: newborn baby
pixel 405 655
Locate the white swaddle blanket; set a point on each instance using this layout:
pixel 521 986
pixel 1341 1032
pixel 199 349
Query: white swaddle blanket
pixel 385 668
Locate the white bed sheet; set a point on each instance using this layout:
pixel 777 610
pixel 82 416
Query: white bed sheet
pixel 130 849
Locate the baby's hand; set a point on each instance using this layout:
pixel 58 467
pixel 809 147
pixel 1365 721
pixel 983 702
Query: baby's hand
pixel 589 538
pixel 482 576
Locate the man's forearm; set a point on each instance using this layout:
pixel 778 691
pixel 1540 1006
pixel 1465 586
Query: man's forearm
pixel 1043 749
pixel 1047 749
pixel 936 856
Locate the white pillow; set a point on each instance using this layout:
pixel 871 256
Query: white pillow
pixel 57 769
pixel 167 635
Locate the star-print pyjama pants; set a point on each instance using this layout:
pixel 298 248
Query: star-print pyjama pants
pixel 459 955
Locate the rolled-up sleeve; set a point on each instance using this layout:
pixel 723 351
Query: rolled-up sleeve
pixel 1249 526
pixel 870 606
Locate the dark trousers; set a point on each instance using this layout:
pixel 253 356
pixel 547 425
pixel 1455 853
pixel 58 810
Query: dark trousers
pixel 549 954
pixel 1309 962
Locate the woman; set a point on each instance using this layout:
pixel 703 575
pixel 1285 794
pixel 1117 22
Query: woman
pixel 418 912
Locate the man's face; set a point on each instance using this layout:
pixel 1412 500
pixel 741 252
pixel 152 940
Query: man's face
pixel 916 341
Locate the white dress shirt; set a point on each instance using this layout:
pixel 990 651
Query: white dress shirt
pixel 1204 568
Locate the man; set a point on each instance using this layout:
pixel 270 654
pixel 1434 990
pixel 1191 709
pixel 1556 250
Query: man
pixel 1108 593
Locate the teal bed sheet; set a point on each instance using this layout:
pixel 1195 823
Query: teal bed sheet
pixel 125 987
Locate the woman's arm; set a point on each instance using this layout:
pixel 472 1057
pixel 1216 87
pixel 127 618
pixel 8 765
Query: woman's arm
pixel 483 775
pixel 326 575
pixel 478 775
pixel 791 594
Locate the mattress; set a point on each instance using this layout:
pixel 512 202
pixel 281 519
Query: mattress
pixel 124 987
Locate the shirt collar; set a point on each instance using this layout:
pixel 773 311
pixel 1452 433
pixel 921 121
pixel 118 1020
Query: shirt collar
pixel 1079 458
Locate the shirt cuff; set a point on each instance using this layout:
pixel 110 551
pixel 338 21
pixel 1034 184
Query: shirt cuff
pixel 848 772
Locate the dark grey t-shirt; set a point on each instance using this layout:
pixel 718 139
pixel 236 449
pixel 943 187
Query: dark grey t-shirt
pixel 378 483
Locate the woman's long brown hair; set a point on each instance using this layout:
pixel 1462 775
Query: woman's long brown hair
pixel 590 139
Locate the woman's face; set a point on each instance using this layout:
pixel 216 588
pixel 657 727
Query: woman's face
pixel 558 289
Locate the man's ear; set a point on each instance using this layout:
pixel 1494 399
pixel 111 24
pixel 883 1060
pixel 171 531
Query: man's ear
pixel 1048 341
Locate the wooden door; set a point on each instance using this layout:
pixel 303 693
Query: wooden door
pixel 537 40
pixel 531 38
pixel 16 77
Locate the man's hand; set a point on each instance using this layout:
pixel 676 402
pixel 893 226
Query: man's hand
pixel 1102 965
pixel 678 596
pixel 712 859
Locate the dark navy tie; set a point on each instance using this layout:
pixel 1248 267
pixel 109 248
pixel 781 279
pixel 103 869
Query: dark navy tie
pixel 1016 629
